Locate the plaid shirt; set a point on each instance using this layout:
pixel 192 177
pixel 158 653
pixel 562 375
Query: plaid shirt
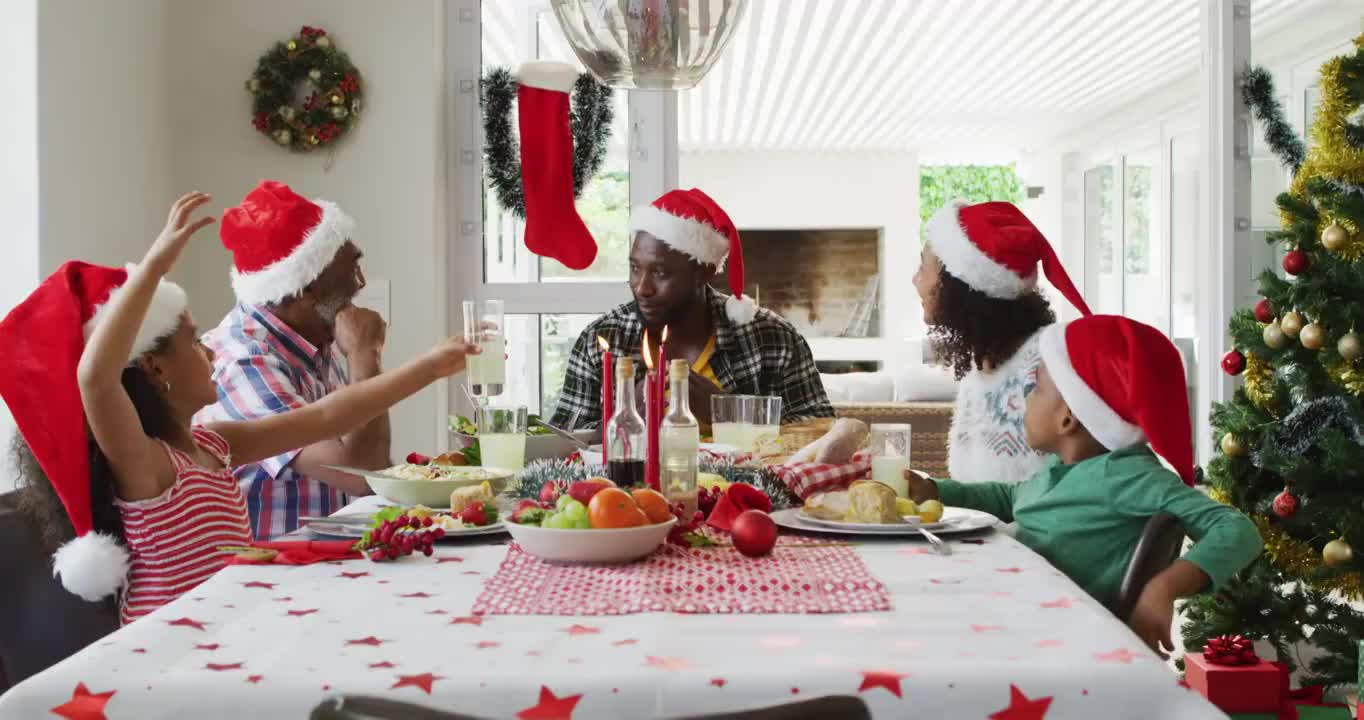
pixel 262 367
pixel 764 357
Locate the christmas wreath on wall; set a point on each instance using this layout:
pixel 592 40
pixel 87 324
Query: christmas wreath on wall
pixel 590 118
pixel 306 63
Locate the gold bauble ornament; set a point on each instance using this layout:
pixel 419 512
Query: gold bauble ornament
pixel 286 112
pixel 1274 336
pixel 337 99
pixel 1350 346
pixel 313 140
pixel 253 85
pixel 1337 553
pixel 1291 324
pixel 283 137
pixel 291 45
pixel 339 112
pixel 324 42
pixel 1334 237
pixel 1232 446
pixel 314 74
pixel 1313 337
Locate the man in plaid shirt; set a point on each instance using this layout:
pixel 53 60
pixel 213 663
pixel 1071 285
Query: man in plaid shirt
pixel 293 338
pixel 680 242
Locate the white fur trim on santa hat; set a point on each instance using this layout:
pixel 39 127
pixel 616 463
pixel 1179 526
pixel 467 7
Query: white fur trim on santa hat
pixel 740 310
pixel 93 566
pixel 1098 418
pixel 286 277
pixel 546 75
pixel 692 238
pixel 969 263
pixel 162 318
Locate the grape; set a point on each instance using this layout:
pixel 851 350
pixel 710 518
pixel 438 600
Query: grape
pixel 563 501
pixel 582 523
pixel 376 554
pixel 547 520
pixel 438 532
pixel 427 550
pixel 391 552
pixel 574 510
pixel 562 521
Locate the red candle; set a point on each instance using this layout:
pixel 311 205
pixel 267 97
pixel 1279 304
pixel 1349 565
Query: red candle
pixel 608 395
pixel 653 412
pixel 662 374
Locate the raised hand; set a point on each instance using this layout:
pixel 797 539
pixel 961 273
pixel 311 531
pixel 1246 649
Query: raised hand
pixel 180 225
pixel 450 356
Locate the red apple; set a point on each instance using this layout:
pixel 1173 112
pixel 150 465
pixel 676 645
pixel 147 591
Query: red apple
pixel 583 490
pixel 754 533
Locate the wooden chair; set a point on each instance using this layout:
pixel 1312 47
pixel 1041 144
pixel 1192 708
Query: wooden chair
pixel 1160 544
pixel 41 623
pixel 362 707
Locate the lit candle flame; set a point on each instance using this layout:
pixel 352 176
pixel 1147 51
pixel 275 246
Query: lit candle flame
pixel 648 357
pixel 605 346
pixel 665 333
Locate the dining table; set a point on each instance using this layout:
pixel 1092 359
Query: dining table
pixel 990 630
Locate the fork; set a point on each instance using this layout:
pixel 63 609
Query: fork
pixel 941 547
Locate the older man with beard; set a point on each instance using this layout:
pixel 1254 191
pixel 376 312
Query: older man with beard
pixel 293 337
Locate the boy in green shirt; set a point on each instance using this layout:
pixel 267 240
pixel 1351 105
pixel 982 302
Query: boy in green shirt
pixel 1108 386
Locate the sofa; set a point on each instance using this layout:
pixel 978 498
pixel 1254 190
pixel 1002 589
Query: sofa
pixel 921 396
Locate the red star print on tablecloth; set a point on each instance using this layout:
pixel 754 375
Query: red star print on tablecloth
pixel 371 640
pixel 882 679
pixel 209 646
pixel 1121 655
pixel 353 575
pixel 575 630
pixel 1022 708
pixel 985 628
pixel 666 663
pixel 452 558
pixel 220 667
pixel 718 682
pixel 623 643
pixel 437 612
pixel 1048 643
pixel 550 707
pixel 1064 602
pixel 286 598
pixel 186 622
pixel 259 584
pixel 140 651
pixel 485 644
pixel 84 705
pixel 254 679
pixel 418 594
pixel 301 613
pixel 422 681
pixel 468 620
pixel 378 665
pixel 1011 570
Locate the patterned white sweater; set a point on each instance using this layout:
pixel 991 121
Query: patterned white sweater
pixel 987 442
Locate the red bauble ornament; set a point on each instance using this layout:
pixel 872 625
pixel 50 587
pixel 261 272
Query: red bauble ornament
pixel 1295 262
pixel 754 533
pixel 1233 363
pixel 1285 504
pixel 1264 312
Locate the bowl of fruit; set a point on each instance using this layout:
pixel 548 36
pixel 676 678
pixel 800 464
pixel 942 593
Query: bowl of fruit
pixel 593 522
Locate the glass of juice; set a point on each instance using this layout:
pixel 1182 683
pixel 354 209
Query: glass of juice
pixel 502 437
pixel 766 421
pixel 731 420
pixel 890 456
pixel 484 325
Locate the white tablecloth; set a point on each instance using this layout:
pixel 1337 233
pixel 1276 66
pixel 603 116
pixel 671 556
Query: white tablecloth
pixel 991 627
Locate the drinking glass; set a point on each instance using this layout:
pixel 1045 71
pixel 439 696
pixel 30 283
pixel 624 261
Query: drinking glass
pixel 766 420
pixel 731 420
pixel 484 326
pixel 889 449
pixel 502 437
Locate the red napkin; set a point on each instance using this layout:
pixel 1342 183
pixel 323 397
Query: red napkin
pixel 738 498
pixel 301 552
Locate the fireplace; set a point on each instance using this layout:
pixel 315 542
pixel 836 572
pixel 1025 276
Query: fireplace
pixel 824 282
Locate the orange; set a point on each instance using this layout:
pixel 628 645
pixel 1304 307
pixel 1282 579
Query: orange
pixel 601 480
pixel 652 502
pixel 614 508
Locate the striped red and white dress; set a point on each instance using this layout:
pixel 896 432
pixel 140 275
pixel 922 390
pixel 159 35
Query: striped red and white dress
pixel 174 538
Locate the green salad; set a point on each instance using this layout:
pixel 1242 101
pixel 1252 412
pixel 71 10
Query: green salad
pixel 464 426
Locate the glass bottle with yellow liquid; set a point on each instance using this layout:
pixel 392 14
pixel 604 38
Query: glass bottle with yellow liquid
pixel 679 440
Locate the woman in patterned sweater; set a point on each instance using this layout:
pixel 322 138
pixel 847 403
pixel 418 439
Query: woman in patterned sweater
pixel 977 280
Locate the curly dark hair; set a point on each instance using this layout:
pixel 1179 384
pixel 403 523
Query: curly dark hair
pixel 971 328
pixel 38 500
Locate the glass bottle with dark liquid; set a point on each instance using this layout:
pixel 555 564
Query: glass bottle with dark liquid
pixel 625 432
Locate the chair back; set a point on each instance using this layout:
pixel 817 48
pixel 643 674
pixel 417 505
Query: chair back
pixel 41 623
pixel 1159 546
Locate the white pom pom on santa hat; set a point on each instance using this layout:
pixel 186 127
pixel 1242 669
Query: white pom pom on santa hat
pixel 93 566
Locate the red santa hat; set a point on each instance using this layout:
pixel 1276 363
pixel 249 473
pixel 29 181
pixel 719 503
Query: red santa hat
pixel 1124 380
pixel 280 241
pixel 43 339
pixel 695 225
pixel 994 248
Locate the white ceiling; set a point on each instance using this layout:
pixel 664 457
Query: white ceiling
pixel 837 75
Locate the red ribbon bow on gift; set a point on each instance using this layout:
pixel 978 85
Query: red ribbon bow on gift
pixel 1230 650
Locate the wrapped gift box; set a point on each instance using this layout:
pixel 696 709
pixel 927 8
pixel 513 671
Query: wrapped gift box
pixel 1235 688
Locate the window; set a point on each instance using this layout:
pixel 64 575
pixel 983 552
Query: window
pixel 1125 250
pixel 973 183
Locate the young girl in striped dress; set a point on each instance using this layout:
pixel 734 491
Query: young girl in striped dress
pixel 154 498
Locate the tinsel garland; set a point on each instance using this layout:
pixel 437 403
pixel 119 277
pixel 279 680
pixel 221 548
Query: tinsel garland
pixel 1259 377
pixel 590 120
pixel 1257 90
pixel 1298 559
pixel 1300 429
pixel 1337 152
pixel 1349 377
pixel 531 480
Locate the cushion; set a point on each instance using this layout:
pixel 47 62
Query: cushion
pixel 873 387
pixel 924 383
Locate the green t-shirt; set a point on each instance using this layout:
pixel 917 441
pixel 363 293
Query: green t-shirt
pixel 1086 518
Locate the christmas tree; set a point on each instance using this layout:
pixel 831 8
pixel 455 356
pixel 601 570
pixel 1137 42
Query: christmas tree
pixel 1292 437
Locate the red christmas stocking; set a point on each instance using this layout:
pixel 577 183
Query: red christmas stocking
pixel 553 228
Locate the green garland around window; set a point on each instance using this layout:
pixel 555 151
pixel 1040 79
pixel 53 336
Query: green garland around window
pixel 308 60
pixel 590 118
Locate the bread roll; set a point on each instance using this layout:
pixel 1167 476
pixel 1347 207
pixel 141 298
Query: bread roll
pixel 871 502
pixel 827 505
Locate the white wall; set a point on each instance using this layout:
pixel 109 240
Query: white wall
pixel 18 173
pixel 790 190
pixel 389 173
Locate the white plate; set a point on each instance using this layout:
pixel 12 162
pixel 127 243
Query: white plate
pixel 596 546
pixel 908 523
pixel 434 494
pixel 351 530
pixel 965 521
